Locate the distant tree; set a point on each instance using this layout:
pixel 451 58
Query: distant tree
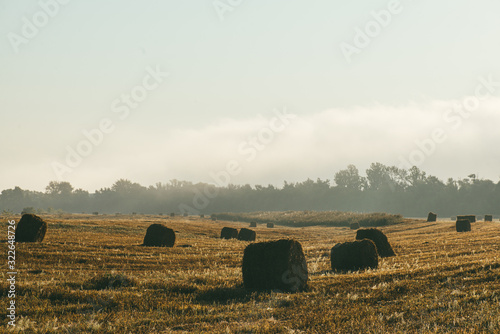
pixel 378 177
pixel 14 199
pixel 410 192
pixel 126 187
pixel 16 194
pixel 416 176
pixel 59 188
pixel 398 177
pixel 349 178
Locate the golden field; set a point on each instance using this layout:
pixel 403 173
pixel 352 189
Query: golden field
pixel 90 275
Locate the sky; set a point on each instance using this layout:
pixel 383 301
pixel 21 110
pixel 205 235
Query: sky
pixel 235 91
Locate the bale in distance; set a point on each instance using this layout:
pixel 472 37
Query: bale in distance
pixel 202 216
pixel 471 218
pixel 354 226
pixel 30 228
pixel 246 234
pixel 275 265
pixel 463 225
pixel 214 219
pixel 384 248
pixel 172 214
pixel 356 255
pixel 270 225
pixel 228 233
pixel 431 217
pixel 158 235
pixel 253 224
pixel 488 218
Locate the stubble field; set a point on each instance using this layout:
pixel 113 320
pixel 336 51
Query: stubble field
pixel 90 275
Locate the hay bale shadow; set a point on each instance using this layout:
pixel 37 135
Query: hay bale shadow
pixel 223 295
pixel 109 281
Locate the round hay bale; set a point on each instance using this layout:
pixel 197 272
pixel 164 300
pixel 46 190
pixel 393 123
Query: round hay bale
pixel 270 225
pixel 356 255
pixel 172 214
pixel 463 225
pixel 384 248
pixel 488 218
pixel 158 235
pixel 246 234
pixel 471 218
pixel 214 219
pixel 30 228
pixel 354 226
pixel 228 233
pixel 431 217
pixel 275 265
pixel 253 224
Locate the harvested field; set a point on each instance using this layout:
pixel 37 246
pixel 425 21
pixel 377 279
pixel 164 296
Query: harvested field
pixel 90 274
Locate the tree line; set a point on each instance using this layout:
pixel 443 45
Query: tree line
pixel 410 192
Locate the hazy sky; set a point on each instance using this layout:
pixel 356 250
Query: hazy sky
pixel 362 82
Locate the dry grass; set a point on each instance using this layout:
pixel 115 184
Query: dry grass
pixel 90 275
pixel 313 218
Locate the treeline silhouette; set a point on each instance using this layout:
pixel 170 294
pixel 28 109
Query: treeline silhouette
pixel 390 189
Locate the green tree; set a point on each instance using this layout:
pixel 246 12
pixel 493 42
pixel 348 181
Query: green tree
pixel 126 187
pixel 59 188
pixel 349 178
pixel 378 177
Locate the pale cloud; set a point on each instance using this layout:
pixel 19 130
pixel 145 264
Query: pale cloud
pixel 310 146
